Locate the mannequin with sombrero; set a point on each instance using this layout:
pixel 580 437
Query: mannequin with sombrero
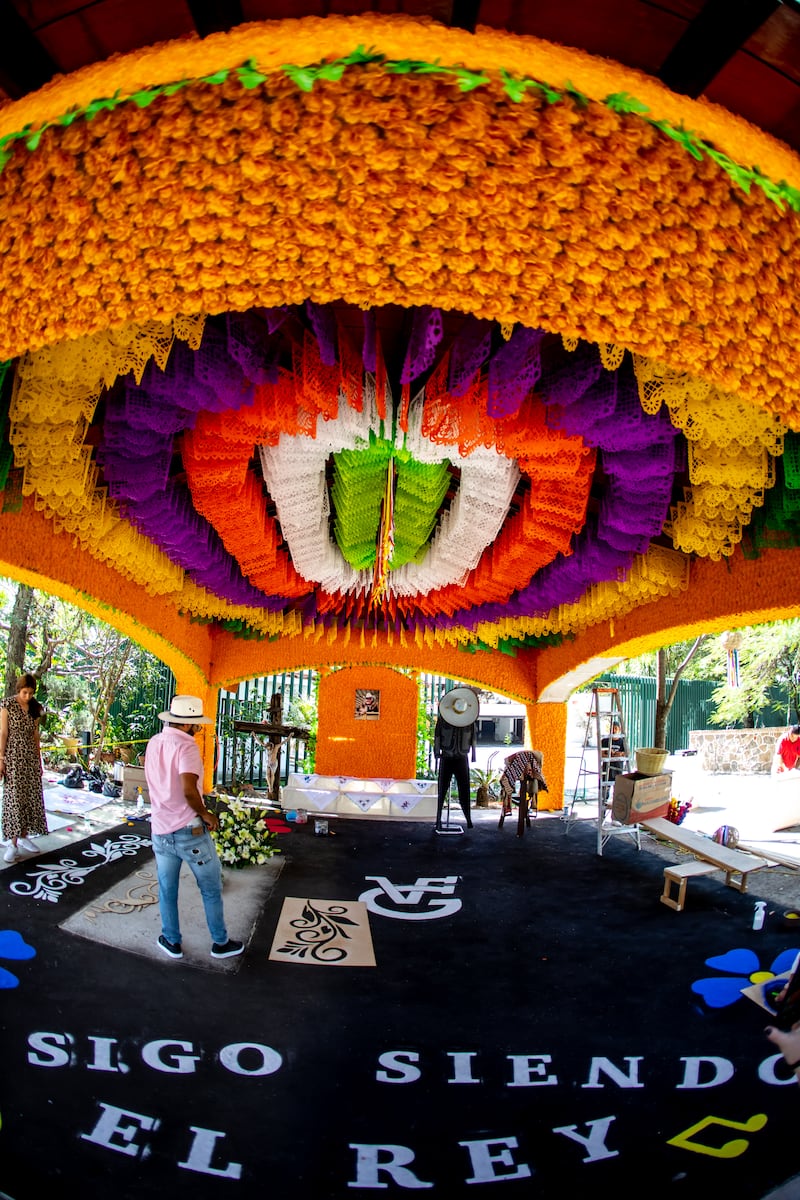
pixel 453 740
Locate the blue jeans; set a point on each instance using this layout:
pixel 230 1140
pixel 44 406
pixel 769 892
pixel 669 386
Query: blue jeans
pixel 172 850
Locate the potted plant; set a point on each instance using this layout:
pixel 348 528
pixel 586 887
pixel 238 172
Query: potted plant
pixel 484 780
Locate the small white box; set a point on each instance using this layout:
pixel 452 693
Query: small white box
pixel 133 779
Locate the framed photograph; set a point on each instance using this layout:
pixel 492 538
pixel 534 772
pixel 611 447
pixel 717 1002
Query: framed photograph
pixel 368 705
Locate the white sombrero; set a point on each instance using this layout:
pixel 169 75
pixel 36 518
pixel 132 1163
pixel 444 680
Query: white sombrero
pixel 459 706
pixel 185 710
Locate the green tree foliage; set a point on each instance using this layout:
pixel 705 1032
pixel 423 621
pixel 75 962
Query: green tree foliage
pixel 769 673
pixel 426 725
pixel 769 664
pixel 83 665
pixel 303 714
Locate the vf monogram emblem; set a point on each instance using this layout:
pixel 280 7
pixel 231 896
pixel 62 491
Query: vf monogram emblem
pixel 424 900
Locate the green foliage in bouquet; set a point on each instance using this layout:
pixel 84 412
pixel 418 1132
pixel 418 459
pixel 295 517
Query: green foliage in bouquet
pixel 243 839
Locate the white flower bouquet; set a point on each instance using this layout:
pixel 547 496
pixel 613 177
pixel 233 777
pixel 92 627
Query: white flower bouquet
pixel 242 839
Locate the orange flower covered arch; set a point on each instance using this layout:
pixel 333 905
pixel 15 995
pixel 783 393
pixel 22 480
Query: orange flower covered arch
pixel 514 183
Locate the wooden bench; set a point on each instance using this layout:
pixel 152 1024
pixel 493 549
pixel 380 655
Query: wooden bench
pixel 736 864
pixel 681 873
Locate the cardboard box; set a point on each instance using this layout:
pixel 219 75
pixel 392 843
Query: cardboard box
pixel 133 779
pixel 637 797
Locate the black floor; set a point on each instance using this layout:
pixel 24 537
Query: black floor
pixel 532 1031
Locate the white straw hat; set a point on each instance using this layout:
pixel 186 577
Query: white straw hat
pixel 185 710
pixel 459 706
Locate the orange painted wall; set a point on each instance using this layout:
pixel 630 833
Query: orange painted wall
pixel 382 749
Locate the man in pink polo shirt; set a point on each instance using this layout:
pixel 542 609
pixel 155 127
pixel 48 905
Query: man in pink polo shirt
pixel 180 824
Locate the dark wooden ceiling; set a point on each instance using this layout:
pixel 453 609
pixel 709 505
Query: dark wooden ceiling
pixel 742 54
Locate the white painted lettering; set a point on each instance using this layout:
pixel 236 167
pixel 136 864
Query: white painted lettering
pixel 595 1142
pixel 631 1080
pixel 119 1123
pixel 462 1066
pixel 269 1061
pixel 525 1066
pixel 766 1071
pixel 399 1061
pixel 722 1068
pixel 102 1060
pixel 199 1156
pixel 177 1064
pixel 483 1161
pixel 368 1166
pixel 49 1055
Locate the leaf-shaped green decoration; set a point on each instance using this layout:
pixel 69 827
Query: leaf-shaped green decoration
pixel 33 141
pixel 249 77
pixel 770 190
pixel 580 98
pixel 791 195
pixel 741 177
pixel 68 118
pixel 5 156
pixel 622 102
pixel 551 94
pixel 106 103
pixel 145 99
pixel 514 88
pixel 302 77
pixel 401 66
pixel 360 55
pixel 432 68
pixel 469 80
pixel 718 157
pixel 217 77
pixel 332 71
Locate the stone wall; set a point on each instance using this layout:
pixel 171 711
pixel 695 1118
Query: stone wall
pixel 736 751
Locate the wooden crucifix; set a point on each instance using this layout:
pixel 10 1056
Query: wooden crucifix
pixel 275 733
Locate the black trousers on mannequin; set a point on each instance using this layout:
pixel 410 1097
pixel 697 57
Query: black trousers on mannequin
pixel 454 766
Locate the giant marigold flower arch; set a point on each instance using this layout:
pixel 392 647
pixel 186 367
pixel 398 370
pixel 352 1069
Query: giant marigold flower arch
pixel 171 216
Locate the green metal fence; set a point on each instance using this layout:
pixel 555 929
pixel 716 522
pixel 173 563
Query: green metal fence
pixel 242 758
pixel 691 709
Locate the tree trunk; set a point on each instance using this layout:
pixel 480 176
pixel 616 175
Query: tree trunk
pixel 108 691
pixel 664 699
pixel 17 637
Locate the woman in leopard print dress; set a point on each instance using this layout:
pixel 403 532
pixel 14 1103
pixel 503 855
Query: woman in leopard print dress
pixel 21 769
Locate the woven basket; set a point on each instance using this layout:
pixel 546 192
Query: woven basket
pixel 651 760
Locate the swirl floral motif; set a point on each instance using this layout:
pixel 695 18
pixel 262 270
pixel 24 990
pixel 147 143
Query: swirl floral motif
pixel 317 930
pixel 50 880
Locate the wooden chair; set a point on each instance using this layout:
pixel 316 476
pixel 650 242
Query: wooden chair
pixel 528 799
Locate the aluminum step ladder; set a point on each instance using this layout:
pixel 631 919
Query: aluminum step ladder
pixel 602 761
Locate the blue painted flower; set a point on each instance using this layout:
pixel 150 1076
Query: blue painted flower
pixel 744 969
pixel 13 946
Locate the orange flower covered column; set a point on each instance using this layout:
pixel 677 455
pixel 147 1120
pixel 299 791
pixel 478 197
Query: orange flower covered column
pixel 547 731
pixel 377 745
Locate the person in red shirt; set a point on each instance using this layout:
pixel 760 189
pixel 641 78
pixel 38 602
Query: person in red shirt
pixel 787 752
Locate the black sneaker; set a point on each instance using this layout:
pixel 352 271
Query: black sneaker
pixel 229 950
pixel 173 949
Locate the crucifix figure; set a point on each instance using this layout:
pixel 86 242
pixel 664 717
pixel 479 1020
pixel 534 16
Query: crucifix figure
pixel 276 734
